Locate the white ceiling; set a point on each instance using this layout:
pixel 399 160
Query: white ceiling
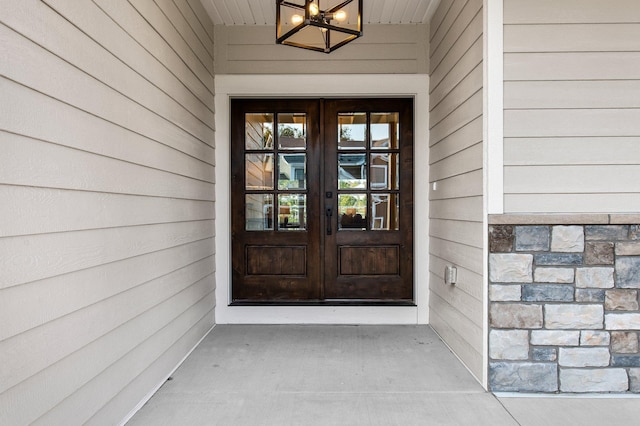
pixel 263 12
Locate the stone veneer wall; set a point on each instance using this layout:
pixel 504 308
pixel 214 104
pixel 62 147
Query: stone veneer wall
pixel 564 310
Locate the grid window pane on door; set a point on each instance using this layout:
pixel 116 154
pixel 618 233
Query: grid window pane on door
pixel 369 159
pixel 275 171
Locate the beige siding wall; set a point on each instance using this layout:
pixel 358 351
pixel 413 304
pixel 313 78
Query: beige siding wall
pixel 572 106
pixel 106 211
pixel 383 49
pixel 456 176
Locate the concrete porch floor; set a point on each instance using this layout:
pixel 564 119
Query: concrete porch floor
pixel 349 375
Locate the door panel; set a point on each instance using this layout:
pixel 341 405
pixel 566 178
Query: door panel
pixel 276 215
pixel 322 200
pixel 369 165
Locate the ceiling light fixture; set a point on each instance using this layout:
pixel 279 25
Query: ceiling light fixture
pixel 308 24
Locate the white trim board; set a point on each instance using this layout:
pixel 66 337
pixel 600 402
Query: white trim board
pixel 312 86
pixel 493 148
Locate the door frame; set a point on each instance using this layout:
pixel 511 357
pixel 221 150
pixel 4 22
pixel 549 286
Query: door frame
pixel 310 86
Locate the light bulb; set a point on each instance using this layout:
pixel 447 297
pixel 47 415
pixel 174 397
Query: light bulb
pixel 297 19
pixel 313 9
pixel 340 15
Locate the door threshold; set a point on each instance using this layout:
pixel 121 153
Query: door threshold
pixel 331 302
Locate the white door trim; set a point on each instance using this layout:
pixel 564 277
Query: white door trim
pixel 344 85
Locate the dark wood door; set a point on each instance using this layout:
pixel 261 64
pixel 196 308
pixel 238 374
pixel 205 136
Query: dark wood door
pixel 322 200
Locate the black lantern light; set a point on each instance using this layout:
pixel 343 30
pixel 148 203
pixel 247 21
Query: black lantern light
pixel 320 25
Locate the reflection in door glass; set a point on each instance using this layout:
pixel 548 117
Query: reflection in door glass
pixel 292 171
pixel 292 212
pixel 384 171
pixel 385 130
pixel 352 171
pixel 259 212
pixel 384 212
pixel 292 131
pixel 259 131
pixel 352 130
pixel 258 171
pixel 352 211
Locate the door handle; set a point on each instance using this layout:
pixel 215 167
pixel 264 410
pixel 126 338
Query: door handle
pixel 329 213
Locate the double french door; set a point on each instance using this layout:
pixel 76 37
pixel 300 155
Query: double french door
pixel 322 200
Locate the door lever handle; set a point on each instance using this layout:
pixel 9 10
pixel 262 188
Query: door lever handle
pixel 329 213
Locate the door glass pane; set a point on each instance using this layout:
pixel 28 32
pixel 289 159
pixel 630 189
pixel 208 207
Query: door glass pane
pixel 292 171
pixel 259 131
pixel 352 130
pixel 259 212
pixel 352 211
pixel 352 171
pixel 384 212
pixel 292 131
pixel 384 171
pixel 292 212
pixel 259 171
pixel 385 130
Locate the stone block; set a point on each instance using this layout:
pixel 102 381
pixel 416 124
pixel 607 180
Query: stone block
pixel 584 357
pixel 606 232
pixel 547 293
pixel 555 337
pixel 634 232
pixel 532 238
pixel 634 379
pixel 598 253
pixel 515 315
pixel 501 238
pixel 544 354
pixel 621 300
pixel 511 268
pixel 593 380
pixel 596 277
pixel 589 295
pixel 595 338
pixel 628 248
pixel 553 275
pixel 523 377
pixel 573 316
pixel 624 342
pixel 558 259
pixel 628 272
pixel 627 321
pixel 509 344
pixel 625 361
pixel 567 239
pixel 505 293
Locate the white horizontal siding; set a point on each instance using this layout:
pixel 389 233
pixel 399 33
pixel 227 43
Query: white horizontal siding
pixel 571 151
pixel 572 94
pixel 459 332
pixel 570 11
pixel 549 66
pixel 21 305
pixel 107 182
pixel 572 38
pixel 464 209
pixel 468 281
pixel 384 49
pixel 574 203
pixel 35 210
pixel 53 166
pixel 456 177
pixel 572 106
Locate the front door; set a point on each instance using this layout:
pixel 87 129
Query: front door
pixel 322 200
